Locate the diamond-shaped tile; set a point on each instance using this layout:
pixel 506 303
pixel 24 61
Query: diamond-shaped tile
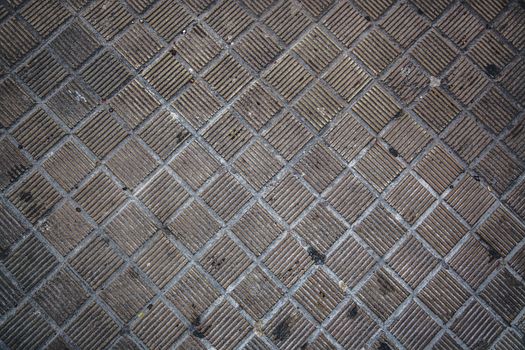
pixel 412 261
pixel 349 318
pixel 192 295
pixel 347 78
pixel 494 110
pixel 288 329
pixel 229 19
pixel 106 74
pixel 404 25
pixel 161 261
pixel 257 164
pixel 348 137
pixel 163 195
pixel 131 163
pixel 380 230
pixel 350 262
pixel 11 230
pixel 228 77
pixel 75 44
pixel 410 199
pixel 164 134
pixel 407 137
pixel 63 286
pixel 476 326
pixel 515 139
pixel 227 135
pixel 100 197
pixel 12 163
pixel 319 167
pixel 317 49
pixel 346 22
pixel 502 231
pixel 443 53
pixel 350 197
pixel 376 52
pixel 10 294
pixel 43 73
pixel 38 133
pixel 444 295
pixel 16 40
pixel 197 105
pixel 498 169
pixel 94 321
pixel 168 19
pixel 65 228
pixel 461 26
pixel 257 106
pixel 376 107
pixel 288 77
pixel 467 138
pixel 197 47
pixel 30 262
pixel 490 54
pixel 287 21
pixel 134 103
pixel 109 17
pixel 127 294
pixel 131 228
pixel 379 167
pixel 225 335
pixel 226 196
pixel 34 196
pixel 155 334
pixel 319 106
pixel 438 168
pixel 258 47
pixel 167 75
pixel 320 228
pixel 465 81
pixel 437 109
pixel 288 136
pixel 319 295
pixel 225 261
pixel 257 229
pixel 442 230
pixel 73 102
pixel 289 198
pixel 194 226
pixel 69 156
pixel 508 26
pixel 474 262
pixel 407 80
pixel 25 329
pixel 506 295
pixel 195 165
pixel 516 199
pixel 14 102
pixel 470 199
pixel 138 45
pixel 382 294
pixel 288 260
pixel 414 328
pixel 96 262
pixel 375 8
pixel 257 293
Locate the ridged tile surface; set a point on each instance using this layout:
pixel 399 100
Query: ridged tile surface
pixel 262 174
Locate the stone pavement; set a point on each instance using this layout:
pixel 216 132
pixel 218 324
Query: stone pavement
pixel 262 174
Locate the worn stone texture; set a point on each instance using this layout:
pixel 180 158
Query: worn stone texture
pixel 262 174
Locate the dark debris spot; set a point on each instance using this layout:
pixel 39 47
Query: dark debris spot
pixel 476 177
pixel 20 147
pixel 124 330
pixel 150 306
pixel 124 188
pixel 282 331
pixel 196 327
pixel 420 12
pixel 352 313
pixel 173 52
pixel 383 346
pixel 368 18
pixel 78 209
pixel 26 196
pixel 393 151
pixel 316 256
pixel 492 70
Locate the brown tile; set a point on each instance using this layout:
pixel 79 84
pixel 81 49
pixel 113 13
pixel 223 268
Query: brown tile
pixel 467 138
pixel 346 22
pixel 407 80
pixel 14 101
pixel 25 321
pixel 106 74
pixel 225 261
pixel 258 47
pixel 227 135
pixel 319 167
pixel 257 106
pixel 415 329
pixel 225 335
pixel 197 47
pixel 229 19
pixel 161 261
pixel 404 25
pixel 12 163
pixel 11 229
pixel 317 49
pixel 439 168
pixel 279 136
pixel 350 197
pixel 407 137
pixel 108 17
pixel 288 21
pixel 376 52
pixel 502 231
pixel 506 295
pixel 167 75
pixel 318 106
pixel 288 77
pixel 476 327
pixel 138 45
pixel 228 77
pixel 410 199
pixel 73 102
pixel 288 328
pixel 168 19
pixel 376 107
pixel 461 26
pixel 197 105
pixel 347 78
